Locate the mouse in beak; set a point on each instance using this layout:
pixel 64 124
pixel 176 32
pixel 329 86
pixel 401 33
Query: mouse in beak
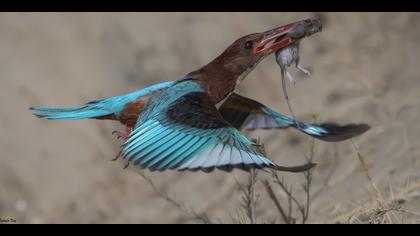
pixel 289 55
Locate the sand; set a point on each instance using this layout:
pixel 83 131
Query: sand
pixel 365 68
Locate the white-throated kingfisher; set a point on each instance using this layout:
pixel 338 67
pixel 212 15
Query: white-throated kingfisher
pixel 177 125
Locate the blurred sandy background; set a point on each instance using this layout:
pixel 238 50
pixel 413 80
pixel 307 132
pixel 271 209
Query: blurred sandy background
pixel 365 68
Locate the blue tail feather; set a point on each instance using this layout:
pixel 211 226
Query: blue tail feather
pixel 71 113
pixel 97 108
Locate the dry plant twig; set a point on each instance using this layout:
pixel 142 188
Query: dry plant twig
pixel 302 208
pixel 273 197
pixel 247 209
pixel 165 196
pixel 380 201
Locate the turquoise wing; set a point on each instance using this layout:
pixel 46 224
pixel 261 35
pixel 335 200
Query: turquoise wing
pixel 247 114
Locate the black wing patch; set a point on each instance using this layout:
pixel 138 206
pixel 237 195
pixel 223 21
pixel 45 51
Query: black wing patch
pixel 245 113
pixel 196 110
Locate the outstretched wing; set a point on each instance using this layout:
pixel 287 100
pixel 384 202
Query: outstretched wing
pixel 190 134
pixel 245 113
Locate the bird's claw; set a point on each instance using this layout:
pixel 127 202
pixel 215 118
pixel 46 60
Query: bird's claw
pixel 122 135
pixel 117 156
pixel 126 165
pixel 119 134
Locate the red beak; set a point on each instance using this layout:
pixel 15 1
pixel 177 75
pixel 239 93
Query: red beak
pixel 282 36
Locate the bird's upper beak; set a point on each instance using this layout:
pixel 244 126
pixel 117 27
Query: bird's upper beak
pixel 282 36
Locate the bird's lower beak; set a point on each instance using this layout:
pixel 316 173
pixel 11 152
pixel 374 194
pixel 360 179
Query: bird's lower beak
pixel 282 36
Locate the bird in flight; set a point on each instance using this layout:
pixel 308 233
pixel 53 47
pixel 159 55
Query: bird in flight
pixel 194 123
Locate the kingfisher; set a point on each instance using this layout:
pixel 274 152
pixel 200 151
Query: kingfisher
pixel 195 122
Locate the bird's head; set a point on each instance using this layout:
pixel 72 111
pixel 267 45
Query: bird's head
pixel 246 52
pixel 223 73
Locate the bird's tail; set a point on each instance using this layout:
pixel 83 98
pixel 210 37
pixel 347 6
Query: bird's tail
pixel 70 113
pixel 97 108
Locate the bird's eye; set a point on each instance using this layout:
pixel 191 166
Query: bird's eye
pixel 248 45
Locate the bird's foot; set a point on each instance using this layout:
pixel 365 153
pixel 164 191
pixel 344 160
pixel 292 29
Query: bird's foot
pixel 119 134
pixel 122 135
pixel 117 156
pixel 126 165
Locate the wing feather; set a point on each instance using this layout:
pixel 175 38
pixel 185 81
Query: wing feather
pixel 189 133
pixel 245 113
pixel 183 130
